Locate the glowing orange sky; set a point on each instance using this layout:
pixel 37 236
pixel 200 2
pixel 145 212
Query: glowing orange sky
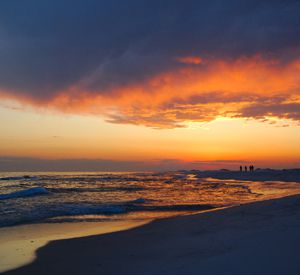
pixel 192 83
pixel 199 92
pixel 203 91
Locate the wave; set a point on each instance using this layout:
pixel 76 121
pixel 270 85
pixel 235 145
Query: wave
pixel 105 209
pixel 99 189
pixel 19 178
pixel 58 212
pixel 132 206
pixel 100 213
pixel 69 210
pixel 179 207
pixel 48 212
pixel 34 191
pixel 12 178
pixel 137 201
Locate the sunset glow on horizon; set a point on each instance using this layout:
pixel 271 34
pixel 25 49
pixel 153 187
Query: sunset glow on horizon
pixel 162 91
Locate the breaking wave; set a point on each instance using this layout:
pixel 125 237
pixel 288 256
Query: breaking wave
pixel 34 191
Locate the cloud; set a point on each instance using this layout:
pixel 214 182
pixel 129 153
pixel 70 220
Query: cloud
pixel 196 60
pixel 284 110
pixel 153 63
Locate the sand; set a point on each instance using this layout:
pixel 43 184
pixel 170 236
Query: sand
pixel 285 175
pixel 257 238
pixel 18 244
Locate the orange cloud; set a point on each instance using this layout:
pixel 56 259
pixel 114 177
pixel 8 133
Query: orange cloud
pixel 214 88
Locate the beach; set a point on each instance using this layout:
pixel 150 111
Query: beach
pixel 18 244
pixel 149 137
pixel 255 238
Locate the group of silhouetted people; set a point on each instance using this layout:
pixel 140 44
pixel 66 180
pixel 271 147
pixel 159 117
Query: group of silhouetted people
pixel 251 168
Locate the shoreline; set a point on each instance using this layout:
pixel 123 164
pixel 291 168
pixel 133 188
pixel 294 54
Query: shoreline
pixel 264 175
pixel 255 238
pixel 19 243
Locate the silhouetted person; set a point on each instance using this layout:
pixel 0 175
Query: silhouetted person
pixel 241 168
pixel 245 168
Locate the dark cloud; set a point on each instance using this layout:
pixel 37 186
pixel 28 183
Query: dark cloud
pixel 47 46
pixel 283 110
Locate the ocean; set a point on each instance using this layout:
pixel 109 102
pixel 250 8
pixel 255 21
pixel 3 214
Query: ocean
pixel 74 197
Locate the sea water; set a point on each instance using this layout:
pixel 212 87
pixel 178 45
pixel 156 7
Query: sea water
pixel 74 197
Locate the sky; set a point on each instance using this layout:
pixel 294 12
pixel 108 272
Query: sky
pixel 149 85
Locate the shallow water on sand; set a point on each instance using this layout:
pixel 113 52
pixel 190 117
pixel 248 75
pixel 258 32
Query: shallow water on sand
pixel 18 244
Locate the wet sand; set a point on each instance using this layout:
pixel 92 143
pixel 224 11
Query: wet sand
pixel 18 244
pixel 257 238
